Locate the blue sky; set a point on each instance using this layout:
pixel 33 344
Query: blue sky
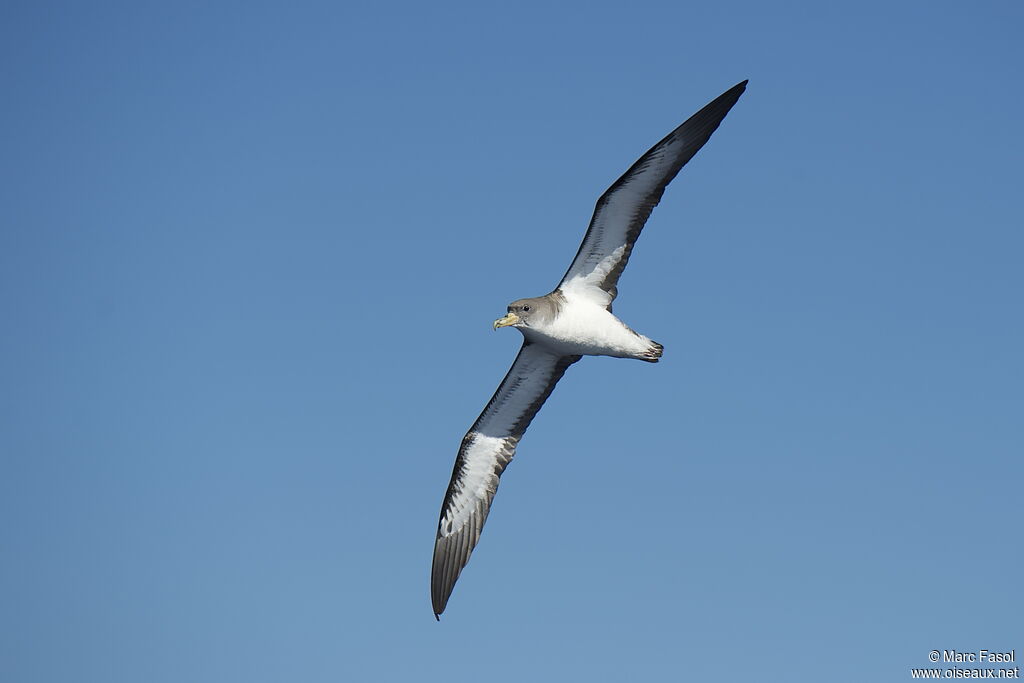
pixel 249 259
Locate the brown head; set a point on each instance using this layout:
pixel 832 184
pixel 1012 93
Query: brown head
pixel 529 312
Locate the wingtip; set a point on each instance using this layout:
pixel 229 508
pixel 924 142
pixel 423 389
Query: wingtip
pixel 437 617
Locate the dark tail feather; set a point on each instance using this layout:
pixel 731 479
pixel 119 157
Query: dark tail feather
pixel 652 354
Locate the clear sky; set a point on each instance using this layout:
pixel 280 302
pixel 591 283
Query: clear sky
pixel 250 254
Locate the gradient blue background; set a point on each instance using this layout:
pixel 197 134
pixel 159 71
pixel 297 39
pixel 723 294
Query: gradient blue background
pixel 249 260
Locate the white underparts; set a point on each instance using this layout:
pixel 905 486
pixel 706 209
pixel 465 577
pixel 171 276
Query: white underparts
pixel 584 326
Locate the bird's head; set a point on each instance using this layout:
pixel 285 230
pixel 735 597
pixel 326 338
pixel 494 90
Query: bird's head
pixel 523 312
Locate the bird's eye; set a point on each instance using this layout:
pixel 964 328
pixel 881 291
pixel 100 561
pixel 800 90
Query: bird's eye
pixel 525 309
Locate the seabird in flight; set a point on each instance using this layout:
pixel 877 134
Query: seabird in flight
pixel 559 328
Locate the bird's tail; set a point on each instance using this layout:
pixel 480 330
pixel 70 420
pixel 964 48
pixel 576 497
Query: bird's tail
pixel 652 353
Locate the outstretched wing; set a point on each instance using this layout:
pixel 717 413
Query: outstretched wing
pixel 625 206
pixel 486 450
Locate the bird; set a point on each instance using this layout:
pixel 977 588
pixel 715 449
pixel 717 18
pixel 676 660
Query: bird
pixel 558 329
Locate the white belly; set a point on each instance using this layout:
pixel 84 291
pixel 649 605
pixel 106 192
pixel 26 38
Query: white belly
pixel 587 329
